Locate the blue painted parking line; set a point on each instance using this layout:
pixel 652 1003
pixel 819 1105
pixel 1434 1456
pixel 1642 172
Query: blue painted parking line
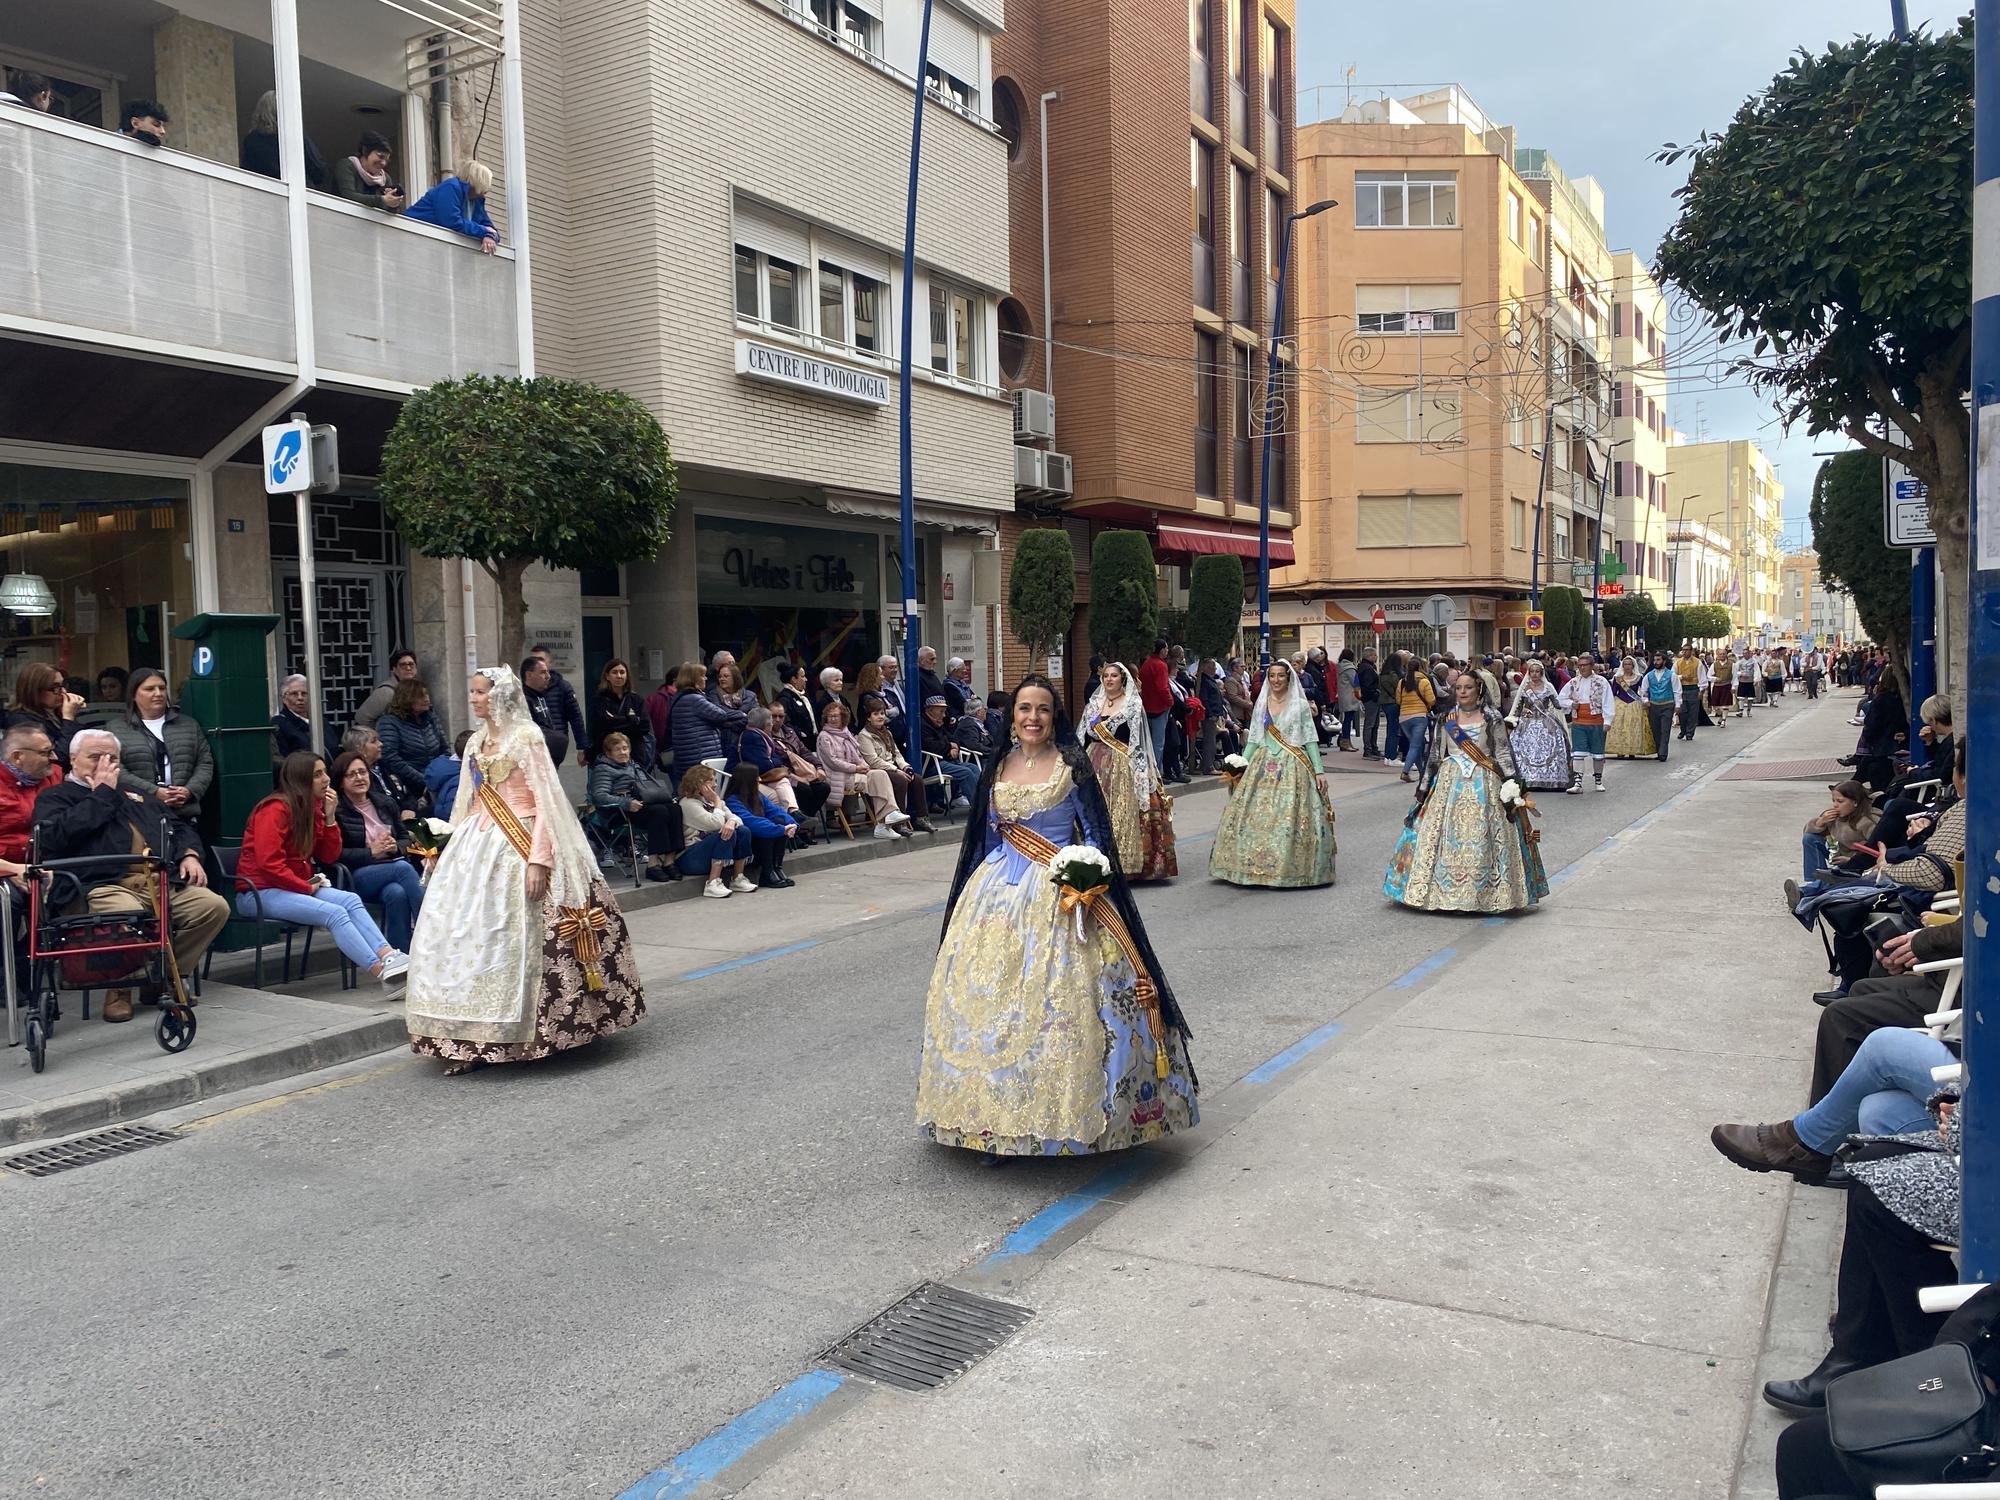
pixel 1066 1210
pixel 1297 1053
pixel 754 958
pixel 1423 970
pixel 688 1471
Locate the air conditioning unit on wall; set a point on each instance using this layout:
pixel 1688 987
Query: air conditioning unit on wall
pixel 1059 474
pixel 1034 416
pixel 1030 469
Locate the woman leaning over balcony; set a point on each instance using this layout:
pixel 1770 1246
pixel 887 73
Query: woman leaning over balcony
pixel 459 204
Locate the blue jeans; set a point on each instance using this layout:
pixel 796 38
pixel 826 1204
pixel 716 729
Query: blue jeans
pixel 1882 1092
pixel 707 850
pixel 1417 729
pixel 395 884
pixel 1816 854
pixel 964 780
pixel 1156 726
pixel 339 912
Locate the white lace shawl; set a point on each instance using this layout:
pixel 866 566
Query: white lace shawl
pixel 1292 718
pixel 1130 713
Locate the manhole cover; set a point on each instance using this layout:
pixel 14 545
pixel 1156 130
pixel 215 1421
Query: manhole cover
pixel 99 1145
pixel 928 1339
pixel 1787 770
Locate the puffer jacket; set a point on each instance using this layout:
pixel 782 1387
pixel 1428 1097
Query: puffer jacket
pixel 139 771
pixel 409 746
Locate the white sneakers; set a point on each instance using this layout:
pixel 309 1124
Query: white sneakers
pixel 884 831
pixel 716 889
pixel 897 818
pixel 1600 784
pixel 742 884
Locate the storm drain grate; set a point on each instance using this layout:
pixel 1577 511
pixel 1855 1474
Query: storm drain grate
pixel 84 1150
pixel 928 1339
pixel 1787 770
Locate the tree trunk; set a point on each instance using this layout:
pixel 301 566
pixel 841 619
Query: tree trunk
pixel 508 576
pixel 1951 519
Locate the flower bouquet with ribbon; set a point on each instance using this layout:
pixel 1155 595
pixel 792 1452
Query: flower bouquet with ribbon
pixel 1519 806
pixel 1082 874
pixel 428 836
pixel 1233 767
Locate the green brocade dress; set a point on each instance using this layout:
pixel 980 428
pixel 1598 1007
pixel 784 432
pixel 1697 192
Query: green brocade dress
pixel 1277 829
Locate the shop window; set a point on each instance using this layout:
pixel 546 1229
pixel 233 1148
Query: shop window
pixel 788 593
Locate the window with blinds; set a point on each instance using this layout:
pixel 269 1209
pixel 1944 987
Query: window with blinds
pixel 1383 415
pixel 1406 309
pixel 1408 520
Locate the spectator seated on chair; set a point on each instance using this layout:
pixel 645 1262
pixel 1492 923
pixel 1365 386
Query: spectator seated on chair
pixel 1920 872
pixel 412 738
pixel 1831 835
pixel 847 770
pixel 938 741
pixel 441 778
pixel 291 729
pixel 716 839
pixel 970 734
pixel 367 743
pixel 373 845
pixel 288 832
pixel 43 699
pixel 620 784
pixel 793 698
pixel 91 813
pixel 758 749
pixel 804 774
pixel 770 824
pixel 27 769
pixel 880 749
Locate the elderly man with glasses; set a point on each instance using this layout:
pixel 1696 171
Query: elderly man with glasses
pixel 27 769
pixel 87 814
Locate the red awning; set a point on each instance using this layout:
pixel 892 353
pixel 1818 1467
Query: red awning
pixel 1223 536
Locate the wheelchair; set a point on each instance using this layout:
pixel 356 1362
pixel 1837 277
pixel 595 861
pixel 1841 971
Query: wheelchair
pixel 71 947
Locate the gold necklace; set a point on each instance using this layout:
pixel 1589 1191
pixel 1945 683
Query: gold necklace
pixel 1030 761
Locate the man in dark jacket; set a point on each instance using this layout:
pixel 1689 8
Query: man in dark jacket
pixel 538 681
pixel 562 705
pixel 1214 709
pixel 89 815
pixel 1368 688
pixel 929 684
pixel 961 773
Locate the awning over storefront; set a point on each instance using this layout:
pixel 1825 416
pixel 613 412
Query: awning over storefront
pixel 1224 537
pixel 947 517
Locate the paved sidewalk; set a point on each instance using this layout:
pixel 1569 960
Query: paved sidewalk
pixel 1479 1245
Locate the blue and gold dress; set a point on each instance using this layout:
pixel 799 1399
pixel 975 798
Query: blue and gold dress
pixel 1038 1038
pixel 1460 850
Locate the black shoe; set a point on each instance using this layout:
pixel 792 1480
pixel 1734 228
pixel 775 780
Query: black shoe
pixel 658 872
pixel 1806 1396
pixel 921 826
pixel 1827 997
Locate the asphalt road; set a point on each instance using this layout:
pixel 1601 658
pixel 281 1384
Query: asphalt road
pixel 547 1280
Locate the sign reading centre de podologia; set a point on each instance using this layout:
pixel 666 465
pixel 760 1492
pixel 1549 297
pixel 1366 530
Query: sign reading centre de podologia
pixel 806 372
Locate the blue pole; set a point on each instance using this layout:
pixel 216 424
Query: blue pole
pixel 1923 635
pixel 1597 552
pixel 1979 1259
pixel 1264 484
pixel 913 720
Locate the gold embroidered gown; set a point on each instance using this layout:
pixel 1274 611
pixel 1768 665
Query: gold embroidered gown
pixel 1460 851
pixel 1631 733
pixel 1277 830
pixel 1036 1043
pixel 1142 823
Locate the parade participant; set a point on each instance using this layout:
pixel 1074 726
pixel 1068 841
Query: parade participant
pixel 1630 736
pixel 1722 685
pixel 1774 676
pixel 521 950
pixel 1587 698
pixel 1814 672
pixel 1469 843
pixel 1748 674
pixel 1049 1029
pixel 1277 829
pixel 1120 749
pixel 1539 735
pixel 1688 674
pixel 1663 688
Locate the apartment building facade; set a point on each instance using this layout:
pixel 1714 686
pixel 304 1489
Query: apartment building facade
pixel 1731 487
pixel 1151 335
pixel 1639 428
pixel 1455 338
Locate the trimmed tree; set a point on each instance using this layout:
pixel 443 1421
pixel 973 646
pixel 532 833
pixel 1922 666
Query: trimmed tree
pixel 1670 627
pixel 1566 620
pixel 1847 534
pixel 1215 606
pixel 1041 595
pixel 1631 612
pixel 1124 596
pixel 509 472
pixel 1832 223
pixel 1708 622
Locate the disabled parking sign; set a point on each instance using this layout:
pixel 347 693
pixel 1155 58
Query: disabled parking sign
pixel 288 465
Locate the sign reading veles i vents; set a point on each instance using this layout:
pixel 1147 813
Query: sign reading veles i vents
pixel 804 372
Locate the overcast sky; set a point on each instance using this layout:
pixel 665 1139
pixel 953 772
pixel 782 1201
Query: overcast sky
pixel 1603 88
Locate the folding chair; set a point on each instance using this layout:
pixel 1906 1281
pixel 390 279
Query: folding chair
pixel 851 810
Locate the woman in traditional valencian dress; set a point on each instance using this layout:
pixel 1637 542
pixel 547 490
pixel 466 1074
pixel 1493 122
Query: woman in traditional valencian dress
pixel 520 951
pixel 1631 734
pixel 1468 843
pixel 1050 1030
pixel 1539 733
pixel 1278 827
pixel 1121 752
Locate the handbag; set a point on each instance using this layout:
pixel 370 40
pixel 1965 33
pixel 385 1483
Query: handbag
pixel 1907 1421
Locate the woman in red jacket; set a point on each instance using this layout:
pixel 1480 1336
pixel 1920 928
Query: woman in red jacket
pixel 290 830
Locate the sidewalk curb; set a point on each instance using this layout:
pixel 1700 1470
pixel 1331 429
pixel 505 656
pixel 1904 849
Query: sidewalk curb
pixel 226 1075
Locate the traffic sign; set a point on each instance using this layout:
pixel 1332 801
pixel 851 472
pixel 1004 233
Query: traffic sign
pixel 204 661
pixel 1439 611
pixel 1906 508
pixel 1378 621
pixel 1534 625
pixel 287 458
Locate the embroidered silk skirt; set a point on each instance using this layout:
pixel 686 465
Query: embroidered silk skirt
pixel 1631 734
pixel 1275 831
pixel 1465 853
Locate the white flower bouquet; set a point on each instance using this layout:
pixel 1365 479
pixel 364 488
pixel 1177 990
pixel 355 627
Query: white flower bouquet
pixel 1233 769
pixel 1079 872
pixel 1511 794
pixel 428 836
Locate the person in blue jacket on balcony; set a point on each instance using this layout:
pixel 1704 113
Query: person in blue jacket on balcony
pixel 459 204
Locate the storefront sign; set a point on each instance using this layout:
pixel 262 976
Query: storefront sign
pixel 805 372
pixel 754 563
pixel 561 643
pixel 819 573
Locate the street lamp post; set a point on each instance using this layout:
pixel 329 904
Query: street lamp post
pixel 1270 403
pixel 912 721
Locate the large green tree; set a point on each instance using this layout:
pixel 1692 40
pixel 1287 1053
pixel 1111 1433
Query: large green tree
pixel 1831 223
pixel 1041 594
pixel 1630 612
pixel 1847 534
pixel 509 472
pixel 1215 606
pixel 1708 622
pixel 1124 596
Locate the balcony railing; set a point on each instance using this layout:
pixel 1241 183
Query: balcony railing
pixel 1204 273
pixel 1239 293
pixel 1201 87
pixel 183 257
pixel 1239 113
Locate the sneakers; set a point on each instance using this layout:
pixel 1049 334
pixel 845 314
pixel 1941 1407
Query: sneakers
pixel 1599 786
pixel 742 885
pixel 897 818
pixel 961 804
pixel 884 831
pixel 716 889
pixel 1791 896
pixel 1575 787
pixel 394 967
